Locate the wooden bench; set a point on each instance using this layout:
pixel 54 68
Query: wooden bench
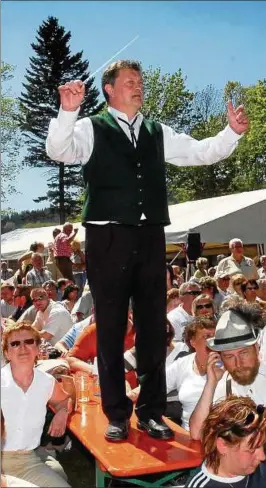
pixel 139 456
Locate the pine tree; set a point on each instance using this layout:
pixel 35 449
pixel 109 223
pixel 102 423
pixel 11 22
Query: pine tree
pixel 53 66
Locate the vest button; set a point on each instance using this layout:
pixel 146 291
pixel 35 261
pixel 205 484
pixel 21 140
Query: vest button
pixel 140 189
pixel 140 203
pixel 138 165
pixel 139 176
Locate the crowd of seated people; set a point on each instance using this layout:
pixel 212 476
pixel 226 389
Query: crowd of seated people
pixel 216 346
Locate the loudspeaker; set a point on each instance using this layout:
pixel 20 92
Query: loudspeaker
pixel 193 246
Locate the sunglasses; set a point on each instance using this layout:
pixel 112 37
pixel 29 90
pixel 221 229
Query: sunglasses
pixel 192 292
pixel 251 288
pixel 205 305
pixel 27 342
pixel 38 299
pixel 241 430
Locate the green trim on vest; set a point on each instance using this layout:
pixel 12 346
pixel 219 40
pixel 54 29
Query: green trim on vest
pixel 122 181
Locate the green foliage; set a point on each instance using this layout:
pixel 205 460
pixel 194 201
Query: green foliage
pixel 10 134
pixel 52 66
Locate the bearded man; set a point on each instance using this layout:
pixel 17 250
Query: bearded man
pixel 234 366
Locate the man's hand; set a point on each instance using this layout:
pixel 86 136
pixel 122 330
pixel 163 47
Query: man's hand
pixel 237 118
pixel 214 372
pixel 71 95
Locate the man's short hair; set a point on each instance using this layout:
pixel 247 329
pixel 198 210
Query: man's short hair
pixel 185 286
pixel 262 258
pixel 234 241
pixel 111 73
pixel 49 283
pixel 7 285
pixel 38 291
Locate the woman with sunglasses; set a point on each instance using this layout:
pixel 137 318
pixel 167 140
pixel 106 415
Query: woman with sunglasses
pixel 187 375
pixel 249 289
pixel 203 306
pixel 233 440
pixel 25 394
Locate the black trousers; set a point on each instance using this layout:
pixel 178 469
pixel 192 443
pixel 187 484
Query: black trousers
pixel 122 262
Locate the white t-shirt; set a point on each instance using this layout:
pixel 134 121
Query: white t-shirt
pixel 179 318
pixel 256 391
pixel 24 413
pixel 7 309
pixel 55 320
pixel 13 481
pixel 181 376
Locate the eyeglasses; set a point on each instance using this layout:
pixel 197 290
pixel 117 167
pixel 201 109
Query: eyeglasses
pixel 38 299
pixel 27 342
pixel 251 288
pixel 192 292
pixel 204 305
pixel 241 430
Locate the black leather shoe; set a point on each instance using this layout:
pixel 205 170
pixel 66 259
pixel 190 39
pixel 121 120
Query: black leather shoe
pixel 117 431
pixel 158 429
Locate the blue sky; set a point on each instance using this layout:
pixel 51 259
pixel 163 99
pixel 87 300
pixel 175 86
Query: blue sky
pixel 212 42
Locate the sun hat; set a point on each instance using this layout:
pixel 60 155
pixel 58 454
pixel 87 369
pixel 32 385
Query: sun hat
pixel 232 332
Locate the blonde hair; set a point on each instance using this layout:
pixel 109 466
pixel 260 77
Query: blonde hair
pixel 75 245
pixel 202 296
pixel 17 327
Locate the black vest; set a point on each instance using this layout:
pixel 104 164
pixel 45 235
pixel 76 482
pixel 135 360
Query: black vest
pixel 122 181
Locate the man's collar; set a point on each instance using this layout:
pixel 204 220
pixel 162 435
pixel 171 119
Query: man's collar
pixel 116 113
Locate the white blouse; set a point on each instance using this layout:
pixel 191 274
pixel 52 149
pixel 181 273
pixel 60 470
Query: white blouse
pixel 24 413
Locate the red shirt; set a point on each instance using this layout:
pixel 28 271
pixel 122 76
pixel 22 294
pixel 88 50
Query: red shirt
pixel 62 247
pixel 85 347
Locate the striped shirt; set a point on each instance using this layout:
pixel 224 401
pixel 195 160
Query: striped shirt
pixel 204 479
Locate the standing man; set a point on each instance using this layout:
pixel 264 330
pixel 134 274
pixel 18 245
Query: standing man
pixel 63 250
pixel 237 263
pixel 123 158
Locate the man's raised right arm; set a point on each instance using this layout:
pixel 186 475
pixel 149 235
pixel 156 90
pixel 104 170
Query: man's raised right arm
pixel 70 140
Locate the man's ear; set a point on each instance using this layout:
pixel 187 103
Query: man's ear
pixel 109 89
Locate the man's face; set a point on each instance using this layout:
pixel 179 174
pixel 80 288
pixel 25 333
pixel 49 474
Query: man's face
pixel 51 292
pixel 7 294
pixel 127 91
pixel 237 249
pixel 3 266
pixel 40 301
pixel 190 294
pixel 68 229
pixel 204 308
pixel 223 283
pixel 243 364
pixel 37 262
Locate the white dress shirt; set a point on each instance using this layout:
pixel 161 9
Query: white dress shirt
pixel 71 141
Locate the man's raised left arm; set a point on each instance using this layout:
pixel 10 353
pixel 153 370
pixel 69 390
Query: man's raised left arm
pixel 184 150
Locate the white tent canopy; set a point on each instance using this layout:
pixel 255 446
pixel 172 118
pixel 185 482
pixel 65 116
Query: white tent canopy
pixel 217 220
pixel 220 219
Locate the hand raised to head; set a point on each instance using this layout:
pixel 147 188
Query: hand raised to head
pixel 71 95
pixel 237 118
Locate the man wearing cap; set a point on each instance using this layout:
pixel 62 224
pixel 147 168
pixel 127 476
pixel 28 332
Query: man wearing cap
pixel 234 366
pixel 237 262
pixel 6 272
